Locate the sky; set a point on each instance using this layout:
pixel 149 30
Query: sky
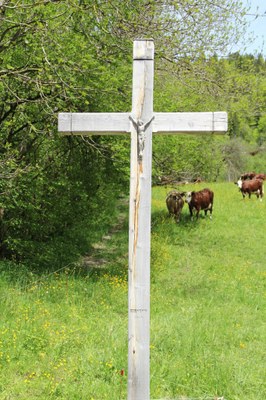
pixel 257 25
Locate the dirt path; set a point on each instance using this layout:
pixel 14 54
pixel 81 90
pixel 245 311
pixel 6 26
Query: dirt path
pixel 97 258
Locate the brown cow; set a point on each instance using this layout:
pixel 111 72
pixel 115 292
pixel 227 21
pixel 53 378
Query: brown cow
pixel 252 175
pixel 252 186
pixel 202 200
pixel 175 203
pixel 260 176
pixel 247 175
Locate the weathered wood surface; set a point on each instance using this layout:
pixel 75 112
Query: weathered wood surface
pixel 163 123
pixel 190 122
pixel 94 123
pixel 139 227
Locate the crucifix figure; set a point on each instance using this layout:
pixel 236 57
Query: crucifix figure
pixel 140 123
pixel 140 128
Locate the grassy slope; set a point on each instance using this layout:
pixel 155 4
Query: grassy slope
pixel 64 336
pixel 208 302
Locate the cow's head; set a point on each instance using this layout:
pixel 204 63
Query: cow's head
pixel 239 183
pixel 189 197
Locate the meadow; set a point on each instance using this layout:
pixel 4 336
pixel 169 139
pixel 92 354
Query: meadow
pixel 63 334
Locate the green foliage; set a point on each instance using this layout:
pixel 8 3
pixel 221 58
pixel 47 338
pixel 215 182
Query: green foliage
pixel 186 158
pixel 63 207
pixel 235 85
pixel 55 191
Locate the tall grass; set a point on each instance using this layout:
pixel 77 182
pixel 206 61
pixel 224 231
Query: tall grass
pixel 64 335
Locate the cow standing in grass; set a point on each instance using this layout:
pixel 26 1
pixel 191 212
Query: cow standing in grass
pixel 252 186
pixel 261 176
pixel 252 175
pixel 247 175
pixel 202 200
pixel 175 203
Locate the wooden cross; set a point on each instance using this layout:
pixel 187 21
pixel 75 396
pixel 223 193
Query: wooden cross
pixel 140 123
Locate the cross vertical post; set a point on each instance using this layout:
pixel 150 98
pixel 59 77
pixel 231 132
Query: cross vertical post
pixel 139 222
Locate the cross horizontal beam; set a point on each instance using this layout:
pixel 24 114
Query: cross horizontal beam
pixel 190 122
pixel 163 123
pixel 93 123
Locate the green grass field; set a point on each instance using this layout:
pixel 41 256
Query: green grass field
pixel 63 335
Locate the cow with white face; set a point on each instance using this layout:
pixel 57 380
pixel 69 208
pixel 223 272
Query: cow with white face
pixel 201 200
pixel 253 186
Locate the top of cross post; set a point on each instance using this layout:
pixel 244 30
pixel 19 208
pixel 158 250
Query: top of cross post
pixel 143 49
